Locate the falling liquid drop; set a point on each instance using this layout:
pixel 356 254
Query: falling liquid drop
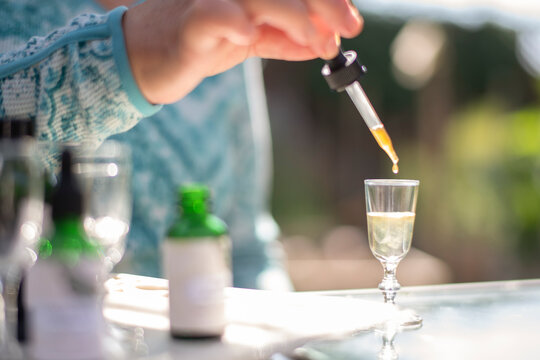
pixel 380 134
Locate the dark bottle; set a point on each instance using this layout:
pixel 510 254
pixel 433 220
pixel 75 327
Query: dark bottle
pixel 196 261
pixel 16 129
pixel 17 132
pixel 63 288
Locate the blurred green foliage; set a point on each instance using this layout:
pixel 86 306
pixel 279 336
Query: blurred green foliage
pixel 495 161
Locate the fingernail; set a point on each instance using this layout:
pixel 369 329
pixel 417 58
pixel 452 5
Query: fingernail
pixel 331 47
pixel 337 39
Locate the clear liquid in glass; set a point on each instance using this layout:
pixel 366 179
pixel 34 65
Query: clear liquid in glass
pixel 390 234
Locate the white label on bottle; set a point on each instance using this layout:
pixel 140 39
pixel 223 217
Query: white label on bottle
pixel 198 272
pixel 65 312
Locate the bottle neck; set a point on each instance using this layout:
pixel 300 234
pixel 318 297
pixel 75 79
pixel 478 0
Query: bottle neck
pixel 194 209
pixel 69 225
pixel 69 241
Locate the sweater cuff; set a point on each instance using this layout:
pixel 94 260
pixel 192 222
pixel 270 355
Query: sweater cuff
pixel 124 68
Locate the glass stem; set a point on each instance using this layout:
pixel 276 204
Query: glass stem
pixel 389 285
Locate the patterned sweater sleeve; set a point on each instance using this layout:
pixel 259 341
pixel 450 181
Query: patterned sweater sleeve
pixel 76 82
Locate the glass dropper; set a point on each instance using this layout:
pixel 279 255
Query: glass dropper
pixel 342 73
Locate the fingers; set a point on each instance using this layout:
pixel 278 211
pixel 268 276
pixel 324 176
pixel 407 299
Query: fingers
pixel 339 15
pixel 289 16
pixel 309 23
pixel 274 44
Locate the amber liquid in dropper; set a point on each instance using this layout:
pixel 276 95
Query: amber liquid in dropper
pixel 380 134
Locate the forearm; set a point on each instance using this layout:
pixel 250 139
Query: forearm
pixel 75 82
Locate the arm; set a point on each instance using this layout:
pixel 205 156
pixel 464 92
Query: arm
pixel 76 82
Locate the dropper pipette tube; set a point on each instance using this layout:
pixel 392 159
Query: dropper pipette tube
pixel 342 73
pixel 366 110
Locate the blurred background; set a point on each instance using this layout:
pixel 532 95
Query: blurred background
pixel 457 85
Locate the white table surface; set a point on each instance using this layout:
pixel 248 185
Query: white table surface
pixel 260 323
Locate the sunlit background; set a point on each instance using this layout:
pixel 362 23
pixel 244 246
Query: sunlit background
pixel 456 84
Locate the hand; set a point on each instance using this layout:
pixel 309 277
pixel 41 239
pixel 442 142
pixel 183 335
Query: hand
pixel 174 44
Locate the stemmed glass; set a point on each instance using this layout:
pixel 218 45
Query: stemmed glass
pixel 390 208
pixel 21 216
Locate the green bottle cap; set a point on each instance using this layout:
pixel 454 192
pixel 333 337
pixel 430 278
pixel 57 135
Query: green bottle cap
pixel 196 219
pixel 194 199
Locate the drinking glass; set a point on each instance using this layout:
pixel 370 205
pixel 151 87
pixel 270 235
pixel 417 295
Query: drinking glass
pixel 105 178
pixel 390 208
pixel 21 215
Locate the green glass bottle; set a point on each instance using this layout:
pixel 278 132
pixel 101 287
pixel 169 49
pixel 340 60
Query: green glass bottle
pixel 63 289
pixel 196 260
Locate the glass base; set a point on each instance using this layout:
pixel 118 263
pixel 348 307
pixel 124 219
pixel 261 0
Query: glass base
pixel 401 320
pixel 408 319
